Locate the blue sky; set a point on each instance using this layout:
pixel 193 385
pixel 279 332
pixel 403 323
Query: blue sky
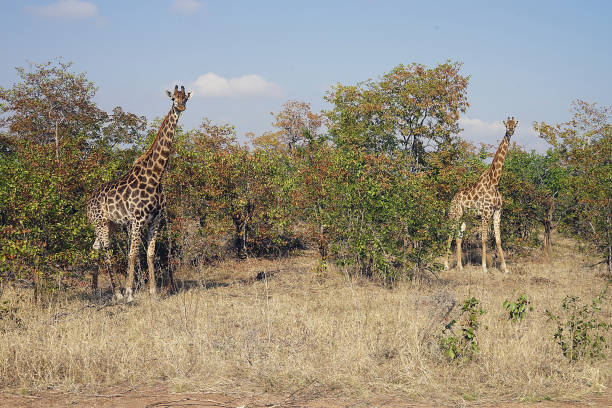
pixel 244 59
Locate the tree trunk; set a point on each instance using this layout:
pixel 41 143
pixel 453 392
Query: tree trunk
pixel 548 226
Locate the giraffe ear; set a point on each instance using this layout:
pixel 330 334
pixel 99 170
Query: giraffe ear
pixel 169 94
pixel 189 94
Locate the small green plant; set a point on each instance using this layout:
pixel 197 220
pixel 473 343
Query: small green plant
pixel 465 346
pixel 320 270
pixel 518 309
pixel 580 332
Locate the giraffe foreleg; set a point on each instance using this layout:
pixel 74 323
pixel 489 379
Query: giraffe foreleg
pixel 496 228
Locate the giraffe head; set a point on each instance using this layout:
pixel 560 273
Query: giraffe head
pixel 179 97
pixel 510 125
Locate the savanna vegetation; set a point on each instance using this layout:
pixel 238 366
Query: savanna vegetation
pixel 352 203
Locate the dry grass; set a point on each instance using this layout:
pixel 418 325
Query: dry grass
pixel 292 333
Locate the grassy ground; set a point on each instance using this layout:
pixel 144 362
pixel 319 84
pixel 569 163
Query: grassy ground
pixel 294 332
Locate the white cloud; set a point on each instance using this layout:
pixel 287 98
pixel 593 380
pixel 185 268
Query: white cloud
pixel 480 130
pixel 186 6
pixel 71 9
pixel 477 130
pixel 212 85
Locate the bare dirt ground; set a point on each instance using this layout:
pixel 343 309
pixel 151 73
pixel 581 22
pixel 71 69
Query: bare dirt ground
pixel 160 397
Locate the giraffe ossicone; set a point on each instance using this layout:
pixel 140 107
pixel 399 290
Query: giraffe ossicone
pixel 137 201
pixel 484 199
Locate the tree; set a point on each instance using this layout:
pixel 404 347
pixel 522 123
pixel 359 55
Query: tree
pixel 123 129
pixel 413 108
pixel 535 189
pixel 57 147
pixel 230 191
pixel 50 103
pixel 297 123
pixel 584 145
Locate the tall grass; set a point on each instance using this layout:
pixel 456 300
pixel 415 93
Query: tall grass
pixel 289 331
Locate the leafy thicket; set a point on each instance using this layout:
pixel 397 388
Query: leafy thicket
pixel 584 147
pixel 53 142
pixel 535 196
pixel 366 183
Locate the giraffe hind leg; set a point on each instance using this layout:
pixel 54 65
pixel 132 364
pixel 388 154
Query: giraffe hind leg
pixel 455 214
pixel 484 233
pixel 459 241
pixel 153 230
pixel 109 266
pixel 103 242
pixel 448 251
pixel 132 259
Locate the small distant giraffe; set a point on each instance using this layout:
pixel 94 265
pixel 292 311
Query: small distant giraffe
pixel 485 199
pixel 136 200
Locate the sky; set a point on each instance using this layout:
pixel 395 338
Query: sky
pixel 245 59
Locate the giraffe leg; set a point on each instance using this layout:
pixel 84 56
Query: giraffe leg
pixel 448 251
pixel 103 242
pixel 109 266
pixel 455 214
pixel 153 229
pixel 459 241
pixel 500 252
pixel 484 233
pixel 101 231
pixel 132 258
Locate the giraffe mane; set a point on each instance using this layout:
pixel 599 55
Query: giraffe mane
pixel 145 154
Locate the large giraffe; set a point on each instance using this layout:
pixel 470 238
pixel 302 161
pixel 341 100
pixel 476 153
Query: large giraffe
pixel 136 200
pixel 485 200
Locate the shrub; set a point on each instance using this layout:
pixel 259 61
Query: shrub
pixel 518 310
pixel 580 332
pixel 465 346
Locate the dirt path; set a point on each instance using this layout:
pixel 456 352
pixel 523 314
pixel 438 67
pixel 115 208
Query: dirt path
pixel 160 397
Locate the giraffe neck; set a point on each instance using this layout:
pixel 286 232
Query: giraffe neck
pixel 495 169
pixel 156 157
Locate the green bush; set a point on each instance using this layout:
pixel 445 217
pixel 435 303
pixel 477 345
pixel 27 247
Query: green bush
pixel 518 309
pixel 580 332
pixel 465 346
